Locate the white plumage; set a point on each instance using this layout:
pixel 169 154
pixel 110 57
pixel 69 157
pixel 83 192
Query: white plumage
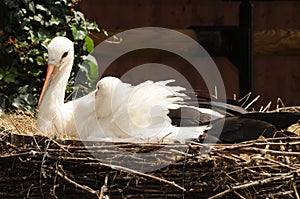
pixel 140 112
pixel 115 111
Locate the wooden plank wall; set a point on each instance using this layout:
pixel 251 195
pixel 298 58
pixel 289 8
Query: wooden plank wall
pixel 274 75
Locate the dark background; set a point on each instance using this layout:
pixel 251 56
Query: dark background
pixel 276 38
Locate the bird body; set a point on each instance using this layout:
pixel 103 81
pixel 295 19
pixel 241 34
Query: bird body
pixel 140 111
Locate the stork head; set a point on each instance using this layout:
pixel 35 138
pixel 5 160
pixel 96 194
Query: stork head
pixel 60 51
pixel 105 96
pixel 60 57
pixel 107 85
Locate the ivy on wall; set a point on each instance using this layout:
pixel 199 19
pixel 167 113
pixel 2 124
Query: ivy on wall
pixel 26 28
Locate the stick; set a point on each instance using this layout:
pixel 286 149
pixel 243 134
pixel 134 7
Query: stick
pixel 257 150
pixel 279 163
pixel 252 144
pixel 84 187
pixel 54 181
pixel 116 167
pixel 255 183
pixel 295 190
pixel 271 152
pixel 61 147
pixel 29 153
pixel 239 195
pixel 104 187
pixel 36 143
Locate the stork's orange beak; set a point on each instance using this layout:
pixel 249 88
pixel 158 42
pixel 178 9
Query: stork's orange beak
pixel 51 73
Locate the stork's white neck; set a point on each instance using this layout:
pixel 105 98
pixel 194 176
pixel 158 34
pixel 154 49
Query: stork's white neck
pixel 53 100
pixel 55 94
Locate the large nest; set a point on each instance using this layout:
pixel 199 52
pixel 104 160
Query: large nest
pixel 37 166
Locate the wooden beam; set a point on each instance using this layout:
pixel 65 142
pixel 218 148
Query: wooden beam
pixel 277 42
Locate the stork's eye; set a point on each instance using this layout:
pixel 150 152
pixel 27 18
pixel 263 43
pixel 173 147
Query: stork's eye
pixel 99 86
pixel 64 55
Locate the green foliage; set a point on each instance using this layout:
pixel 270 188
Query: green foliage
pixel 26 28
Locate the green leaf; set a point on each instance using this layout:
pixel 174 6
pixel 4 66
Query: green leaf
pixel 54 21
pixel 38 18
pixel 93 75
pixel 26 28
pixel 40 61
pixel 105 32
pixel 22 44
pixel 24 11
pixel 34 52
pixel 74 31
pixel 91 68
pixel 40 7
pixel 30 59
pixel 9 78
pixel 43 34
pixel 31 7
pixel 79 16
pixel 93 26
pixel 89 43
pixel 79 33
